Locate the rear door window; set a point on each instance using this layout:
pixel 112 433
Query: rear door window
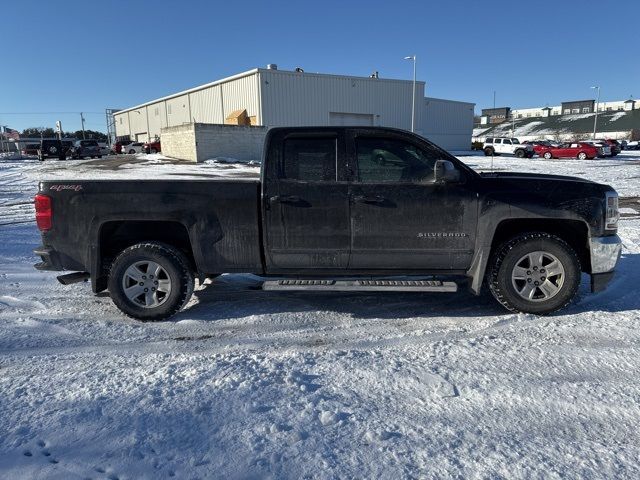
pixel 310 159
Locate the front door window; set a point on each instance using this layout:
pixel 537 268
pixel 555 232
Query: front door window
pixel 392 161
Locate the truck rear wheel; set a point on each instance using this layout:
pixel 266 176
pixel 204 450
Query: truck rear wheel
pixel 520 153
pixel 488 151
pixel 151 281
pixel 534 273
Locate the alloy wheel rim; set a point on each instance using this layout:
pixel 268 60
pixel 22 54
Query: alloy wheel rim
pixel 538 276
pixel 146 284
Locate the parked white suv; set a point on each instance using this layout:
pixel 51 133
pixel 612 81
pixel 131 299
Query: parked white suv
pixel 498 145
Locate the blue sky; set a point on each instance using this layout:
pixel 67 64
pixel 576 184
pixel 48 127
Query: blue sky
pixel 73 56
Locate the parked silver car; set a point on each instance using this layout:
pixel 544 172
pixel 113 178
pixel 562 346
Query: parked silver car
pixel 135 147
pixel 84 149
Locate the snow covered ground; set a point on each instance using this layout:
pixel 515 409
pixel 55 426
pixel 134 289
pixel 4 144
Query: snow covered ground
pixel 621 171
pixel 252 384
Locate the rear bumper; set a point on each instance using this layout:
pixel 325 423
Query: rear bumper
pixel 50 259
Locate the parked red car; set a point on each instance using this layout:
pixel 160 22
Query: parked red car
pixel 152 147
pixel 539 146
pixel 571 150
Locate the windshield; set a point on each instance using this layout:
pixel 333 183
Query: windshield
pixel 515 141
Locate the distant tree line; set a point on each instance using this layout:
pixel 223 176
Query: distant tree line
pixel 35 132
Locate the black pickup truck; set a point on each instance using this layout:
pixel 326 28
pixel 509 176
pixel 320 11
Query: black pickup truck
pixel 335 208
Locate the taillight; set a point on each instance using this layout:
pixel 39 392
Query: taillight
pixel 44 213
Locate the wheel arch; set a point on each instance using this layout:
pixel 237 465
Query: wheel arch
pixel 116 235
pixel 574 232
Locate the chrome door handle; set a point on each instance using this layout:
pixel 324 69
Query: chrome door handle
pixel 285 199
pixel 368 199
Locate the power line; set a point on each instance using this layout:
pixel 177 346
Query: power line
pixel 49 113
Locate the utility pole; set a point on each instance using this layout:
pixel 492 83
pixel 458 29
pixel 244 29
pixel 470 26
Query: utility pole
pixel 494 99
pixel 413 96
pixel 595 120
pixel 82 120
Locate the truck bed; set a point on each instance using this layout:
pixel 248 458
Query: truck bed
pixel 218 217
pixel 149 167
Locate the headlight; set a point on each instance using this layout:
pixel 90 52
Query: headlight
pixel 612 214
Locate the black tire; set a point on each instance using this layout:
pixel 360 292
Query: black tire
pixel 153 150
pixel 488 151
pixel 176 267
pixel 132 151
pixel 520 153
pixel 548 155
pixel 505 259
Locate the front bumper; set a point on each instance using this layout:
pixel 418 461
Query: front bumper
pixel 604 252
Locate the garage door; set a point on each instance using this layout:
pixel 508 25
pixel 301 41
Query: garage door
pixel 351 119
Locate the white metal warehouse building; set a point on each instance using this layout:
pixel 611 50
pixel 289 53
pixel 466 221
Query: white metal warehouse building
pixel 284 98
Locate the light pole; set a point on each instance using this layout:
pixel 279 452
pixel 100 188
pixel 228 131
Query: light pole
pixel 413 96
pixel 82 121
pixel 595 120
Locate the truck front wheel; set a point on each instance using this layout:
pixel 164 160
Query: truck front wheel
pixel 534 273
pixel 488 151
pixel 151 281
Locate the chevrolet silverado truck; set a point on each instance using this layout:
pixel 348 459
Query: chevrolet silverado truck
pixel 334 209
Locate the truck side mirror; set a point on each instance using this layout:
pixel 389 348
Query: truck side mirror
pixel 446 172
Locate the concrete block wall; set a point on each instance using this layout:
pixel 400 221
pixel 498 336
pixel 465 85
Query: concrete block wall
pixel 179 142
pixel 232 141
pixel 197 142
